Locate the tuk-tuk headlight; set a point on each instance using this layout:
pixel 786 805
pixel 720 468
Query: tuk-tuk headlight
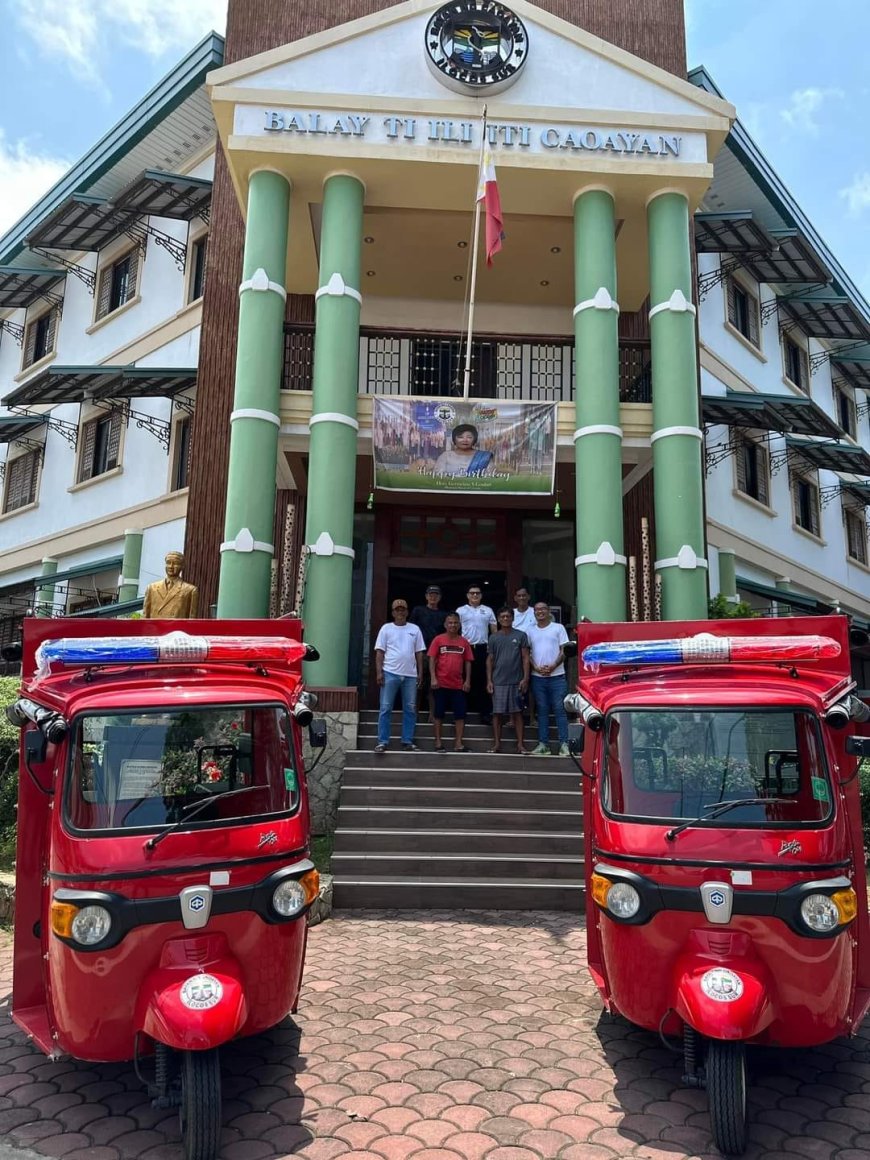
pixel 622 900
pixel 90 925
pixel 294 894
pixel 820 912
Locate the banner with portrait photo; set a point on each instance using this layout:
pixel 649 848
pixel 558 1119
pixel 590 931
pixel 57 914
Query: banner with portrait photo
pixel 464 445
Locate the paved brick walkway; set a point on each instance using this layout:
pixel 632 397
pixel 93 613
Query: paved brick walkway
pixel 443 1037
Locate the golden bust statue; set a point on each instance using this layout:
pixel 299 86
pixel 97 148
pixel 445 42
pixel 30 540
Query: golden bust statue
pixel 171 598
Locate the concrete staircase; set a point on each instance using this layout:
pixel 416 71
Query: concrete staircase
pixel 457 830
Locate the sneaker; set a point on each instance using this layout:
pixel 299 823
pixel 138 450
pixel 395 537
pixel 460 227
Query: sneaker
pixel 411 748
pixel 541 751
pixel 564 751
pixel 380 749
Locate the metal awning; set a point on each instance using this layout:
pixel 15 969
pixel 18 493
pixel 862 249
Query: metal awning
pixel 168 195
pixel 783 596
pixel 730 233
pixel 21 287
pixel 91 569
pixel 15 427
pixel 831 316
pixel 858 493
pixel 109 611
pixel 783 413
pixel 82 223
pixel 854 368
pixel 793 259
pixel 85 384
pixel 846 457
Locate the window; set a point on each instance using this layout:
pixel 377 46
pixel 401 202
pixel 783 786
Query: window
pixel 805 502
pixel 846 414
pixel 100 442
pixel 118 283
pixel 40 337
pixel 198 266
pixel 753 473
pixel 181 461
pixel 743 313
pixel 856 534
pixel 22 478
pixel 796 364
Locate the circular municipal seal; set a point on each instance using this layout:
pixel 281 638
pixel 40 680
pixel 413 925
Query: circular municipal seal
pixel 200 992
pixel 722 984
pixel 476 45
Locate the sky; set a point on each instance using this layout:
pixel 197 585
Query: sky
pixel 795 69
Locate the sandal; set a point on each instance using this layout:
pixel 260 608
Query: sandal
pixel 440 749
pixel 461 749
pixel 522 752
pixel 495 749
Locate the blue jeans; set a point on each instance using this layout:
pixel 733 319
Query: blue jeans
pixel 392 683
pixel 550 696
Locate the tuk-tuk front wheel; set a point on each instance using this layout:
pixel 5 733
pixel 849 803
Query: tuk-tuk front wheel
pixel 726 1095
pixel 201 1104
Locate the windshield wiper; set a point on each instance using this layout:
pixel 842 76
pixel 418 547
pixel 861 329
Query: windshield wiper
pixel 191 812
pixel 717 808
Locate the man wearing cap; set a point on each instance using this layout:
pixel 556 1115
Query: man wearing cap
pixel 429 618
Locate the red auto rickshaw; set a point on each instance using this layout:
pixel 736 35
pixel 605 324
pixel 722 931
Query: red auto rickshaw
pixel 163 872
pixel 725 865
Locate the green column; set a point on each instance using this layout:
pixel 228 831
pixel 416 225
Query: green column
pixel 128 589
pixel 44 606
pixel 783 583
pixel 247 550
pixel 333 426
pixel 727 575
pixel 676 438
pixel 600 561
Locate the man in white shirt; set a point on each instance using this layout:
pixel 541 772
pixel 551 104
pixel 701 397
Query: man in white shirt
pixel 478 621
pixel 524 616
pixel 399 653
pixel 547 640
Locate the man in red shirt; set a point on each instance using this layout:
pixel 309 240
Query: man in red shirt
pixel 450 657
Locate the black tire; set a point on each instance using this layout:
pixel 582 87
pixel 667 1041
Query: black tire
pixel 201 1118
pixel 726 1095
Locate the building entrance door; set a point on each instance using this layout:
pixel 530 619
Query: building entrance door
pixel 454 584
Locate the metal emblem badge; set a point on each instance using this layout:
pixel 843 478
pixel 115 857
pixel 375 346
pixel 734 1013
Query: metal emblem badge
pixel 718 899
pixel 789 847
pixel 195 906
pixel 200 992
pixel 270 838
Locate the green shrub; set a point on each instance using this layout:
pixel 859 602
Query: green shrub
pixel 864 782
pixel 719 608
pixel 9 687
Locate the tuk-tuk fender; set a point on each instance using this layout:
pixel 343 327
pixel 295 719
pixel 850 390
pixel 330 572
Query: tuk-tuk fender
pixel 740 1018
pixel 188 1012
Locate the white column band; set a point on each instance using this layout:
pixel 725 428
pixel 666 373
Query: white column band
pixel 664 432
pixel 601 301
pixel 596 429
pixel 127 580
pixel 245 542
pixel 326 546
pixel 605 556
pixel 336 287
pixel 254 413
pixel 261 282
pixel 687 558
pixel 333 417
pixel 678 303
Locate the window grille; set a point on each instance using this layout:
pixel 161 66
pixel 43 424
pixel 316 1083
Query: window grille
pixel 856 535
pixel 753 471
pixel 118 283
pixel 805 503
pixel 743 313
pixel 100 442
pixel 40 336
pixel 796 363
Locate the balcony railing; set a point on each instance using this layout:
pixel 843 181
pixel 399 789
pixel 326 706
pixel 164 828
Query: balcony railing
pixel 410 363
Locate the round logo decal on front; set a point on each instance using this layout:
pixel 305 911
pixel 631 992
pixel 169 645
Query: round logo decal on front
pixel 722 984
pixel 200 992
pixel 476 45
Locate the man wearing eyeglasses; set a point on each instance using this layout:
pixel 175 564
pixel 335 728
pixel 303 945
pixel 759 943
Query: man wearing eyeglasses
pixel 399 653
pixel 478 621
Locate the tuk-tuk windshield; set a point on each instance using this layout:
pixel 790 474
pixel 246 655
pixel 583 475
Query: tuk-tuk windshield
pixel 133 771
pixel 680 763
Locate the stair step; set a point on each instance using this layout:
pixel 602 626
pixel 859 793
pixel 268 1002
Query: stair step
pixel 453 841
pixel 434 776
pixel 476 759
pixel 458 894
pixel 424 866
pixel 472 818
pixel 459 797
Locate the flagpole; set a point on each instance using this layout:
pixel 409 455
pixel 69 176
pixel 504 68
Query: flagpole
pixel 466 378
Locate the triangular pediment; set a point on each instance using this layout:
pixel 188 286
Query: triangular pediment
pixel 383 57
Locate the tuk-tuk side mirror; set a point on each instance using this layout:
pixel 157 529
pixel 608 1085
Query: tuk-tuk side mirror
pixel 317 734
pixel 858 746
pixel 576 738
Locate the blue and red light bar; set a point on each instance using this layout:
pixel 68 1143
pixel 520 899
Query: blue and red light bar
pixel 171 648
pixel 705 648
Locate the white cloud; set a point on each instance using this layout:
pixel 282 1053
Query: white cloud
pixel 25 175
pixel 858 194
pixel 804 104
pixel 80 32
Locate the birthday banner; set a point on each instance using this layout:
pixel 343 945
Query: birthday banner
pixel 470 446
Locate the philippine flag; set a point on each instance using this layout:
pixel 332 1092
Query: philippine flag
pixel 487 192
